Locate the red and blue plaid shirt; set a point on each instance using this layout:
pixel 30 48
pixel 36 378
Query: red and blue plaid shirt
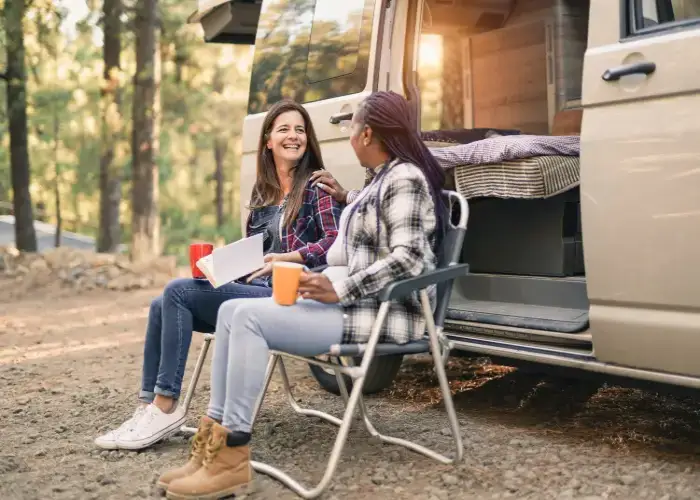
pixel 315 228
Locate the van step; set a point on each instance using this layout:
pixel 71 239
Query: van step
pixel 518 315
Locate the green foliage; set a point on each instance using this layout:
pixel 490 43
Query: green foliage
pixel 64 78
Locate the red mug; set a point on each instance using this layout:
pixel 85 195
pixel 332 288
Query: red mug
pixel 197 251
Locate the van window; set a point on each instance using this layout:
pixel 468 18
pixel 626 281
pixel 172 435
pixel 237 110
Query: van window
pixel 309 50
pixel 659 14
pixel 335 39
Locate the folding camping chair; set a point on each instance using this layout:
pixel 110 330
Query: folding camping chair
pixel 436 343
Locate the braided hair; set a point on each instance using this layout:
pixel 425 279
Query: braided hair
pixel 393 121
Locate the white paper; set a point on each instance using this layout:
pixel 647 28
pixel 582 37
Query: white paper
pixel 235 260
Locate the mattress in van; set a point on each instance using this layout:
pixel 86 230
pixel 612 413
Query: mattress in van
pixel 529 178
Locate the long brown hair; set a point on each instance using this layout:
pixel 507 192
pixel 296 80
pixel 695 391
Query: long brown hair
pixel 267 189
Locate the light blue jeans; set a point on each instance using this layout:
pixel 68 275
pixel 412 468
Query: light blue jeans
pixel 246 330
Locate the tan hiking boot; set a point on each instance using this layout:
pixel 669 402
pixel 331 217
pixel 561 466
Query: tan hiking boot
pixel 199 446
pixel 225 471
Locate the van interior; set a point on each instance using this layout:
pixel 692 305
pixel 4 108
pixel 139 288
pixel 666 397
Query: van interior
pixel 501 67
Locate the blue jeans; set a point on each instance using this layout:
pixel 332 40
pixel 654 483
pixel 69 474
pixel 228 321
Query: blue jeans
pixel 246 331
pixel 186 305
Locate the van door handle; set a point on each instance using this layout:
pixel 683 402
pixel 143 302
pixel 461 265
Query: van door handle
pixel 639 68
pixel 341 117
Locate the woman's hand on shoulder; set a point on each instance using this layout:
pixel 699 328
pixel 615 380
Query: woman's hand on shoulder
pixel 324 180
pixel 317 286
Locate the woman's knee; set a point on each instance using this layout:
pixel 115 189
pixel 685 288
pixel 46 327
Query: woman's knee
pixel 229 307
pixel 227 310
pixel 248 314
pixel 175 287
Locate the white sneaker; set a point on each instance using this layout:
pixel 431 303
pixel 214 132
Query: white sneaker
pixel 108 441
pixel 153 426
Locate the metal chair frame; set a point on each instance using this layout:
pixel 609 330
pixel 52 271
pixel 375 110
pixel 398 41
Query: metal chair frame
pixel 208 337
pixel 437 344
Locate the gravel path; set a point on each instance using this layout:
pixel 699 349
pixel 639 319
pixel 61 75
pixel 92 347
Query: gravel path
pixel 70 366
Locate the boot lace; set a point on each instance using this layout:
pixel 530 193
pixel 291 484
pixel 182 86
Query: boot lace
pixel 199 444
pixel 213 446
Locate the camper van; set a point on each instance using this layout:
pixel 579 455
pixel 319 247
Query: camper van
pixel 585 263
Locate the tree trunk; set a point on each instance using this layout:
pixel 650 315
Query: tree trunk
pixel 235 212
pixel 25 236
pixel 180 60
pixel 145 222
pixel 452 98
pixel 57 180
pixel 109 234
pixel 219 153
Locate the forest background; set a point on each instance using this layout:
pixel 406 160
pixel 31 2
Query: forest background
pixel 118 122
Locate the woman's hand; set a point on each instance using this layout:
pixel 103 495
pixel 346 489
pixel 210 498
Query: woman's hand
pixel 325 180
pixel 284 257
pixel 317 286
pixel 266 270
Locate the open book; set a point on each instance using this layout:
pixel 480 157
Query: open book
pixel 233 261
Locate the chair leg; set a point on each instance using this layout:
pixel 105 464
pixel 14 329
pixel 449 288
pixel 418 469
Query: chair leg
pixel 365 417
pixel 340 440
pixel 345 423
pixel 193 382
pixel 342 386
pixel 439 363
pixel 436 353
pixel 295 406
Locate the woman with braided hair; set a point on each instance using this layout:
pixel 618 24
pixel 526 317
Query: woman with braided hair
pixel 387 233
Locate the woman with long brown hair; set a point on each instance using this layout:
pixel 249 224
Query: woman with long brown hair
pixel 299 224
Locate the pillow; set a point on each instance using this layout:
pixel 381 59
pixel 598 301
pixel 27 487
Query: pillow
pixel 464 136
pixel 439 144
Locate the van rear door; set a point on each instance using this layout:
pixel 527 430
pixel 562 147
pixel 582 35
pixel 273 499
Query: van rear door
pixel 640 182
pixel 228 21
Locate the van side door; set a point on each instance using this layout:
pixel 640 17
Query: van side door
pixel 323 54
pixel 640 182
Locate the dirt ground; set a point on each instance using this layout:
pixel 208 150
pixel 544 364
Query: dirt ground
pixel 70 368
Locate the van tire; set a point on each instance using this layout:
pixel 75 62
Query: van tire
pixel 380 375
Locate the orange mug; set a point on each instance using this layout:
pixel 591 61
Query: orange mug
pixel 285 282
pixel 197 251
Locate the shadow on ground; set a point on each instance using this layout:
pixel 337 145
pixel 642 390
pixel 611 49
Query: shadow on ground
pixel 591 410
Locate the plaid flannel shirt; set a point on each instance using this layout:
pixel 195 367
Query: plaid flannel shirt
pixel 315 228
pixel 402 248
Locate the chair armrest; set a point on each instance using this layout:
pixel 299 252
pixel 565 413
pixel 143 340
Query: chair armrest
pixel 404 287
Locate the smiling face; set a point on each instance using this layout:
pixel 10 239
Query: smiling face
pixel 287 138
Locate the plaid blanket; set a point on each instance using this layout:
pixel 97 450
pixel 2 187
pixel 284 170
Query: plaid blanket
pixel 530 178
pixel 506 148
